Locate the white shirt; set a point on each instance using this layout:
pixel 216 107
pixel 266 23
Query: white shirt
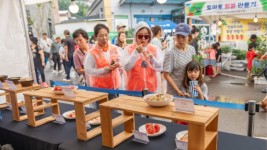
pixel 46 44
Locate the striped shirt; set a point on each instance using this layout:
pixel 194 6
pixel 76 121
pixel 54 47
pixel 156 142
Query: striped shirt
pixel 175 61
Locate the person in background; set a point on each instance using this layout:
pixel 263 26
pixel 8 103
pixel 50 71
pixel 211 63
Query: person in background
pixel 120 28
pixel 142 60
pixel 103 61
pixel 176 58
pixel 250 56
pixel 157 34
pixel 253 41
pixel 218 59
pixel 263 104
pixel 62 55
pixel 121 42
pixel 81 39
pixel 55 54
pixel 69 46
pixel 212 58
pixel 193 72
pixel 45 44
pixel 194 41
pixel 39 61
pixel 92 42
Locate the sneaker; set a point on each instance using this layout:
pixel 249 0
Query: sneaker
pixel 68 80
pixel 44 84
pixel 60 71
pixel 54 71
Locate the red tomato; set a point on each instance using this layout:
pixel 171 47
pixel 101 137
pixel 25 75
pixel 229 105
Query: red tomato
pixel 148 125
pixel 157 128
pixel 150 130
pixel 57 88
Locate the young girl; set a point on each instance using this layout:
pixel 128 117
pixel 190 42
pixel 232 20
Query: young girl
pixel 193 72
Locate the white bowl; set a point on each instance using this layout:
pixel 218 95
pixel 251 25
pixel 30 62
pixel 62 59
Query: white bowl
pixel 182 144
pixel 158 103
pixel 161 131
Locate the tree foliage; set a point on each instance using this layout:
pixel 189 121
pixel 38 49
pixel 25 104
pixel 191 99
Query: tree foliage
pixel 83 7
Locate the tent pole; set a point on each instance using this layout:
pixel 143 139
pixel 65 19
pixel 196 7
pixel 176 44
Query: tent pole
pixel 24 21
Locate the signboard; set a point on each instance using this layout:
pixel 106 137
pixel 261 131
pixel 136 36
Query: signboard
pixel 207 8
pixel 242 29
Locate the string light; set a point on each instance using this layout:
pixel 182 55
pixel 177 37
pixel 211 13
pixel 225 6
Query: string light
pixel 255 19
pixel 161 1
pixel 74 8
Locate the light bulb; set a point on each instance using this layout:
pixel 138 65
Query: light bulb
pixel 255 19
pixel 220 23
pixel 161 1
pixel 74 8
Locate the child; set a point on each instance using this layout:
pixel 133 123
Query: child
pixel 212 57
pixel 193 72
pixel 250 56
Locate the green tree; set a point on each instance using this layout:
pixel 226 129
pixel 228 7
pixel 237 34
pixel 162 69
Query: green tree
pixel 83 7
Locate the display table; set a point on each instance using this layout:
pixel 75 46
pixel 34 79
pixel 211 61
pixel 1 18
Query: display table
pixel 52 136
pixel 12 97
pixel 6 94
pixel 202 125
pixel 80 100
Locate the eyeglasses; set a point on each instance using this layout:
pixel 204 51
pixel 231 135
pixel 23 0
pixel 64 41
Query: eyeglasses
pixel 141 36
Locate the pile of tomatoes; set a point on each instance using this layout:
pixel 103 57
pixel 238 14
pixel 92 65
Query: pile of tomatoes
pixel 152 128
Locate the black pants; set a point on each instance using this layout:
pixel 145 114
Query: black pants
pixel 39 69
pixel 69 64
pixel 56 59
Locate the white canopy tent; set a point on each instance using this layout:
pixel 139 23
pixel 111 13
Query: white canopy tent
pixel 15 54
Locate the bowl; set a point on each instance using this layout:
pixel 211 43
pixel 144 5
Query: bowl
pixel 26 82
pixel 158 100
pixel 14 79
pixel 3 78
pixel 60 92
pixel 182 140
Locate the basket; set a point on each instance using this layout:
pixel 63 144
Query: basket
pixel 14 79
pixel 3 78
pixel 25 83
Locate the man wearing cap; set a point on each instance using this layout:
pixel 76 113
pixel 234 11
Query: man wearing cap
pixel 120 28
pixel 176 59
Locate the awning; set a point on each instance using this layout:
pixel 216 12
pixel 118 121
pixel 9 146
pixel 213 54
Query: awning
pixel 166 24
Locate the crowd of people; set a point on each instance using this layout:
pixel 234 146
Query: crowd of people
pixel 148 63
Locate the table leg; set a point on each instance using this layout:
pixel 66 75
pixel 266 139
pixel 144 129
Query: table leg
pixel 30 112
pixel 80 121
pixel 8 97
pixel 14 104
pixel 55 109
pixel 106 127
pixel 196 137
pixel 40 102
pixel 129 126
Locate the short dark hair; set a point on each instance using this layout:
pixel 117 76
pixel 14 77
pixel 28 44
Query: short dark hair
pixel 44 34
pixel 99 27
pixel 253 36
pixel 78 32
pixel 155 30
pixel 194 29
pixel 34 40
pixel 67 32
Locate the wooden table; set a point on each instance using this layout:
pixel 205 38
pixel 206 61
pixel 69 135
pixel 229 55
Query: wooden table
pixel 80 100
pixel 11 97
pixel 202 125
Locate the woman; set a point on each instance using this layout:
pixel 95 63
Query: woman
pixel 194 41
pixel 121 42
pixel 176 59
pixel 81 39
pixel 103 60
pixel 39 61
pixel 142 60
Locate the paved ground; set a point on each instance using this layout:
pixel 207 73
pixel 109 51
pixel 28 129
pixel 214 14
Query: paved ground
pixel 231 86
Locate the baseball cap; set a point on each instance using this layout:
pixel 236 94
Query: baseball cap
pixel 182 29
pixel 253 36
pixel 121 25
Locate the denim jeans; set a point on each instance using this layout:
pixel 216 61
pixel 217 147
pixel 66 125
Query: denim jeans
pixel 69 64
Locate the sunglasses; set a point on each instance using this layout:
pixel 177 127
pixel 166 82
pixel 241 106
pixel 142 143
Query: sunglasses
pixel 141 36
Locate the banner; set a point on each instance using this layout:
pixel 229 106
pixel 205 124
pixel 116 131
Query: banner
pixel 207 8
pixel 241 29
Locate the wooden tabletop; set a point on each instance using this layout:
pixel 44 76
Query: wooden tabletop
pixel 81 96
pixel 20 88
pixel 202 115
